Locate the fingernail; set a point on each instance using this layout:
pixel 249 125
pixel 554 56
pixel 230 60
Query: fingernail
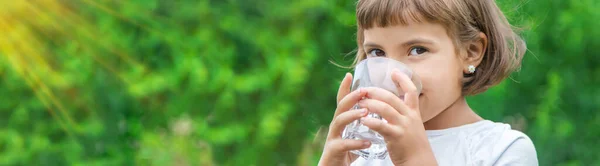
pixel 363 119
pixel 361 103
pixel 363 112
pixel 367 143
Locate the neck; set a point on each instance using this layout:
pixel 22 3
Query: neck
pixel 457 114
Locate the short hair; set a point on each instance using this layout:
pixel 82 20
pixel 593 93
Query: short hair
pixel 463 20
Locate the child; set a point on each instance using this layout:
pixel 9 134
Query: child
pixel 456 48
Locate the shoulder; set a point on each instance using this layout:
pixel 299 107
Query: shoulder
pixel 517 149
pixel 498 144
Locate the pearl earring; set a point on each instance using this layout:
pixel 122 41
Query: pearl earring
pixel 471 69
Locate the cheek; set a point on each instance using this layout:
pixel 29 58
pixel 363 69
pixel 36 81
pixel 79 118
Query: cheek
pixel 441 79
pixel 440 74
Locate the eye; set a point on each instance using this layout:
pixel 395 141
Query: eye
pixel 417 51
pixel 376 52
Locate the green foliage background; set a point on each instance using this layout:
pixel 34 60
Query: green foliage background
pixel 248 82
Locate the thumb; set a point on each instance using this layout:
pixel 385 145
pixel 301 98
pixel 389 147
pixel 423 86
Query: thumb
pixel 411 94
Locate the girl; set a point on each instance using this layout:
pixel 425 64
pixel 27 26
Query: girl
pixel 456 48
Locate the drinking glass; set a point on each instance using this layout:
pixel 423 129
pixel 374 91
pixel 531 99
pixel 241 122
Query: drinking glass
pixel 375 72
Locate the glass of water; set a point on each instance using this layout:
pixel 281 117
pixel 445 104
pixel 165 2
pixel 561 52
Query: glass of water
pixel 375 72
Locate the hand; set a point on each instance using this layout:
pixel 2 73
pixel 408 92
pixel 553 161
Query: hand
pixel 404 132
pixel 336 151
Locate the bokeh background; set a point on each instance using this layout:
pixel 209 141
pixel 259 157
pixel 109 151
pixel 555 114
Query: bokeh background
pixel 248 82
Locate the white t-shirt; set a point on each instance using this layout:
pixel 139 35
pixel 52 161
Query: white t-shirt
pixel 480 143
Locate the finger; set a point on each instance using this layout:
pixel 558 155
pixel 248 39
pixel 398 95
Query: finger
pixel 383 109
pixel 344 145
pixel 339 123
pixel 385 129
pixel 349 101
pixel 386 97
pixel 344 88
pixel 411 95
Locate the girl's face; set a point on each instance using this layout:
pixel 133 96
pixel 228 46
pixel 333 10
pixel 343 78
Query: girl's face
pixel 430 52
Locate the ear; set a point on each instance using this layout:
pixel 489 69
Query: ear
pixel 474 52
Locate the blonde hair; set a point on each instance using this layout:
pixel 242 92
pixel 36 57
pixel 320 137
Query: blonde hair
pixel 463 20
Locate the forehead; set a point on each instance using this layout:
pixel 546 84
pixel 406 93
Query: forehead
pixel 395 34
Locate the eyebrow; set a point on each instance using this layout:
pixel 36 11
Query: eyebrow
pixel 405 44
